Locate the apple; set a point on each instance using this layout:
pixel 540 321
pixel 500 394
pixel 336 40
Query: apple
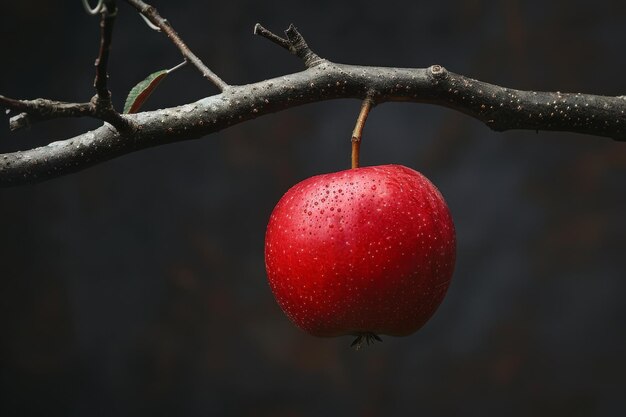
pixel 361 252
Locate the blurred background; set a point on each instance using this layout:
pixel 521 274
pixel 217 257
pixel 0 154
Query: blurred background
pixel 137 287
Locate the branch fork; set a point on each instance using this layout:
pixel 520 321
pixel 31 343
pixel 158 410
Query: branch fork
pixel 294 43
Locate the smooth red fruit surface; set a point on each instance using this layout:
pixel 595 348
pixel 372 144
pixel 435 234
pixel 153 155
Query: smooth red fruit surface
pixel 363 251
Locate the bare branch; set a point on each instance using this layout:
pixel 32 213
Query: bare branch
pixel 106 33
pixel 46 109
pixel 102 105
pixel 42 109
pixel 261 31
pixel 150 13
pixel 498 107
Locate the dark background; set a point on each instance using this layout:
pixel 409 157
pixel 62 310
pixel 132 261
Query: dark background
pixel 137 287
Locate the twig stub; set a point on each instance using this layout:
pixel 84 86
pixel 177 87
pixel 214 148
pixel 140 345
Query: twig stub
pixel 261 31
pixel 102 61
pixel 294 43
pixel 300 48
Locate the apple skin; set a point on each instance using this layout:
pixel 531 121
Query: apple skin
pixel 365 251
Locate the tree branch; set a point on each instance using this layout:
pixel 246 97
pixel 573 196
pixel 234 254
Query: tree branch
pixel 102 105
pixel 42 109
pixel 155 18
pixel 106 35
pixel 500 108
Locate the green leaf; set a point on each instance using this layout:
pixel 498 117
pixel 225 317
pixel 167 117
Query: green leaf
pixel 140 93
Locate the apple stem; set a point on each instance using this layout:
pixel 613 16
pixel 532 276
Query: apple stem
pixel 358 130
pixel 367 337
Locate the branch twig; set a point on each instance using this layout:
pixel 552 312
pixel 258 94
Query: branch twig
pixel 102 104
pixel 282 42
pixel 106 33
pixel 42 109
pixel 155 18
pixel 500 108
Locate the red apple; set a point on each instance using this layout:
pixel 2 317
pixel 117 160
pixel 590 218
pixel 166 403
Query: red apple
pixel 361 252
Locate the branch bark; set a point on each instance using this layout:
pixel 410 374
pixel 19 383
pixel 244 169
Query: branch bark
pixel 500 108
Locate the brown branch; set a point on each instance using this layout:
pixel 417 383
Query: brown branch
pixel 106 34
pixel 31 111
pixel 500 108
pixel 46 109
pixel 102 105
pixel 282 42
pixel 358 130
pixel 42 109
pixel 155 18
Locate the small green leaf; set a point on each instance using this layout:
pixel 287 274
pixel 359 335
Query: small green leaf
pixel 140 93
